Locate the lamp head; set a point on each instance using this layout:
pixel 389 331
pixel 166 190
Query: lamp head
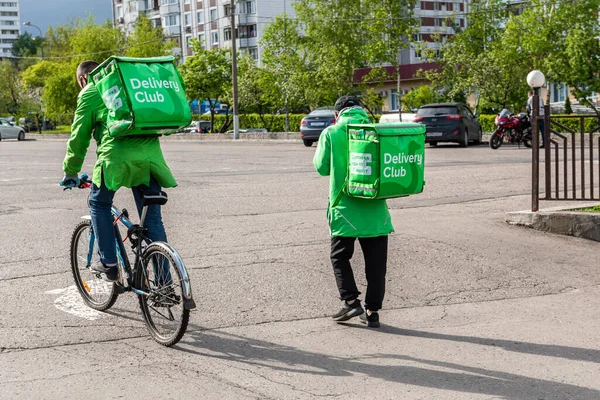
pixel 26 23
pixel 536 79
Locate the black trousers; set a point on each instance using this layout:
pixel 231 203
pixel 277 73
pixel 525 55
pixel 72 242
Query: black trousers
pixel 375 252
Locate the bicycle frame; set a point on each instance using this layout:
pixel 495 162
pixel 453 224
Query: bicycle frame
pixel 120 217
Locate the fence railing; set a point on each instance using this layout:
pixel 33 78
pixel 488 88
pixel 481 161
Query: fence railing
pixel 571 159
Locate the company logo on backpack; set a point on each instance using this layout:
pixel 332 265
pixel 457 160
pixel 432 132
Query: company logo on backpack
pixel 156 96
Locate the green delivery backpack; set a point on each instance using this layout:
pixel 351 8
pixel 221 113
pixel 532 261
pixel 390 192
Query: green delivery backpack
pixel 384 160
pixel 144 96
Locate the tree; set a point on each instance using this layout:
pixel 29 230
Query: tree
pixel 67 46
pixel 314 55
pixel 26 45
pixel 420 96
pixel 10 88
pixel 207 76
pixel 568 108
pixel 147 40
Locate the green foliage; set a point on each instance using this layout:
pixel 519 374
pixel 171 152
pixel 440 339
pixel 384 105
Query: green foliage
pixel 207 76
pixel 147 41
pixel 255 121
pixel 51 82
pixel 568 108
pixel 420 96
pixel 493 55
pixel 26 45
pixel 487 123
pixel 313 57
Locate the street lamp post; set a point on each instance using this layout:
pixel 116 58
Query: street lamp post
pixel 42 50
pixel 41 35
pixel 535 79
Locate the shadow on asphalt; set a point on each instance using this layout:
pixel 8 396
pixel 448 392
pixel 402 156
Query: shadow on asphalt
pixel 466 379
pixel 566 352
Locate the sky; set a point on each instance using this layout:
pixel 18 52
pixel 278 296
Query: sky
pixel 44 13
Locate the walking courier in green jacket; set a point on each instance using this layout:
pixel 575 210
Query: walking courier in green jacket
pixel 352 218
pixel 135 163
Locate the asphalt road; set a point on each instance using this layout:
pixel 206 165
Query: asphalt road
pixel 474 308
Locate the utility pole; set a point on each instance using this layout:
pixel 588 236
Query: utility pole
pixel 236 118
pixel 287 112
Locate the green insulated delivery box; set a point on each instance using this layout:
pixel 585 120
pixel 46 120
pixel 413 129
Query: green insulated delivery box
pixel 144 96
pixel 385 160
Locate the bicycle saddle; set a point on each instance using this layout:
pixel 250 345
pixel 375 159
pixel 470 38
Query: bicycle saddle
pixel 155 198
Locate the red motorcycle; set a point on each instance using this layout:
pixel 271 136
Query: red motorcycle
pixel 511 128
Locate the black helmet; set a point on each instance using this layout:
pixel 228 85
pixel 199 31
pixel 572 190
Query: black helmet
pixel 345 102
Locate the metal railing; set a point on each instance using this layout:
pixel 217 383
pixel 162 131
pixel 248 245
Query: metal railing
pixel 569 159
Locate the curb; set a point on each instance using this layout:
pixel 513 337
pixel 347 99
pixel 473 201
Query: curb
pixel 291 136
pixel 561 221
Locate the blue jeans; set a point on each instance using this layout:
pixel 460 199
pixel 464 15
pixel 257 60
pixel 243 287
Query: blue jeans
pixel 101 201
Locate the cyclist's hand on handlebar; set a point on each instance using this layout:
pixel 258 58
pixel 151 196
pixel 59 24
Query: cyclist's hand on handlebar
pixel 69 181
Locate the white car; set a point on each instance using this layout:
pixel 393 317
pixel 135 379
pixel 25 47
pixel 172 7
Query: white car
pixel 9 130
pixel 393 117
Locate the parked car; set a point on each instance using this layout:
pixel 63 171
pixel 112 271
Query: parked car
pixel 314 123
pixel 196 127
pixel 449 122
pixel 8 130
pixel 393 117
pixel 29 124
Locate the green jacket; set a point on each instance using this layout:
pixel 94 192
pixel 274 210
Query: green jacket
pixel 121 162
pixel 352 216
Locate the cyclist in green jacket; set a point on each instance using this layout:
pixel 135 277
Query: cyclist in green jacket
pixel 353 218
pixel 133 163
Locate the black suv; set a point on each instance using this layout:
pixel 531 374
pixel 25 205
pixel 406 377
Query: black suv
pixel 449 122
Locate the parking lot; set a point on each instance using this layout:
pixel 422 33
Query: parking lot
pixel 474 308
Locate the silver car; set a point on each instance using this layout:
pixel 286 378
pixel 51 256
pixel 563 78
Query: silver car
pixel 8 130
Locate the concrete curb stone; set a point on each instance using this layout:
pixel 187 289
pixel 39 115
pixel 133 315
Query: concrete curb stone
pixel 290 136
pixel 559 220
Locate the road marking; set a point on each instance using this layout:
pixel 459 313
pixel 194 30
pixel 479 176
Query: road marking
pixel 71 302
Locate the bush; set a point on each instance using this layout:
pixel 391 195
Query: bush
pixel 568 108
pixel 273 123
pixel 487 123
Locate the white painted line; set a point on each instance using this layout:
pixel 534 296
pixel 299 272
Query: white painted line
pixel 71 302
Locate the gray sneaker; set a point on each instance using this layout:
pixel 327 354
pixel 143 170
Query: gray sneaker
pixel 348 311
pixel 108 274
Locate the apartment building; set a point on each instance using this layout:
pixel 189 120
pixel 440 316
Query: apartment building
pixel 207 20
pixel 10 26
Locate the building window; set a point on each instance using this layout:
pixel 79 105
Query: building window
pixel 165 2
pixel 186 2
pixel 248 7
pixel 133 7
pixel 393 100
pixel 247 31
pixel 417 53
pixel 227 10
pixel 200 17
pixel 227 34
pixel 187 17
pixel 253 51
pixel 213 14
pixel 119 12
pixel 559 92
pixel 201 39
pixel 215 38
pixel 171 20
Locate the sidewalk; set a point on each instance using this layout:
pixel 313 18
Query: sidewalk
pixel 533 348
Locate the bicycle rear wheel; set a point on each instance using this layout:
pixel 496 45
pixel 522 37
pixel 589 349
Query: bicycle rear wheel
pixel 96 293
pixel 163 308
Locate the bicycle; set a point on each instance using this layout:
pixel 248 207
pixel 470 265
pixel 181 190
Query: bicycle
pixel 157 275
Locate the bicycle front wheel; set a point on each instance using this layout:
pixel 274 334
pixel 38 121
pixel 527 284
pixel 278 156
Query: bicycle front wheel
pixel 96 293
pixel 159 276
